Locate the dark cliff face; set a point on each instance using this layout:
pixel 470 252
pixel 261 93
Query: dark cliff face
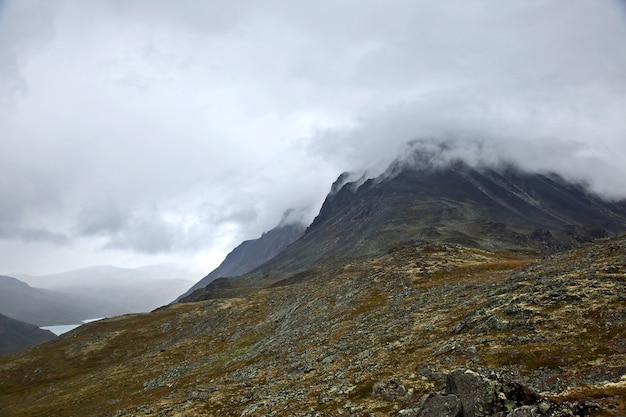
pixel 16 335
pixel 251 254
pixel 488 208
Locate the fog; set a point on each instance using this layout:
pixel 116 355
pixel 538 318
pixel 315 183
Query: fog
pixel 141 132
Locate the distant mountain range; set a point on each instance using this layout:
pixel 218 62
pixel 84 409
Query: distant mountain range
pixel 16 335
pixel 43 307
pixel 251 254
pixel 70 297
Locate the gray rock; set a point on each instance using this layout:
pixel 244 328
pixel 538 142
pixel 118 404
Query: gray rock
pixel 391 391
pixel 544 407
pixel 477 394
pixel 408 412
pixel 524 411
pixel 425 371
pixel 471 351
pixel 440 405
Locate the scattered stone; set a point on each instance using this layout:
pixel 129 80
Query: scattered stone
pixel 448 347
pixel 471 351
pixel 250 409
pixel 524 411
pixel 391 391
pixel 543 407
pixel 425 371
pixel 470 394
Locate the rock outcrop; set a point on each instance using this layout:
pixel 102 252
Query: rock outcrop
pixel 469 394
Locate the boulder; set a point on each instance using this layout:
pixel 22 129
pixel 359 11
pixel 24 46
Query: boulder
pixel 478 395
pixel 441 405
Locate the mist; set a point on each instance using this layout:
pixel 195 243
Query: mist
pixel 138 133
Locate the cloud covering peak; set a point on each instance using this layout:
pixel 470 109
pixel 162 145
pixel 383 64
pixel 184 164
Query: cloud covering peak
pixel 137 131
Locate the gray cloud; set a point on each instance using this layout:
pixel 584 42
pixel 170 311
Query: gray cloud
pixel 101 219
pixel 33 234
pixel 177 129
pixel 25 26
pixel 149 234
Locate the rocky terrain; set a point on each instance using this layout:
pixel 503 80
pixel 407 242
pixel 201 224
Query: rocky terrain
pixel 366 338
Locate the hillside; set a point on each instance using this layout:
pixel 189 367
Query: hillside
pixel 16 335
pixel 367 338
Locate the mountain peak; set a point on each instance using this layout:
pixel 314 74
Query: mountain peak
pixel 502 194
pixel 500 207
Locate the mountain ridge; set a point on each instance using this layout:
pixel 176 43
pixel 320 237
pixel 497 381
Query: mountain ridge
pixel 251 254
pixel 16 335
pixel 503 208
pixel 111 290
pixel 70 298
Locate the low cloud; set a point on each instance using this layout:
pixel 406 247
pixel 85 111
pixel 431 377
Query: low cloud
pixel 581 145
pixel 101 219
pixel 32 234
pixel 149 235
pixel 147 128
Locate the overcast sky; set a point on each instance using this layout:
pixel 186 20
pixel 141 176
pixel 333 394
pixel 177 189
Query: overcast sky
pixel 145 131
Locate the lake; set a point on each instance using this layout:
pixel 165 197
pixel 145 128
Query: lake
pixel 64 328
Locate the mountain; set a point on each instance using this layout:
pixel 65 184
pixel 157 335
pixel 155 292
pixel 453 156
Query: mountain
pixel 41 306
pixel 489 208
pixel 113 290
pixel 503 209
pixel 431 290
pixel 252 253
pixel 16 335
pixel 369 338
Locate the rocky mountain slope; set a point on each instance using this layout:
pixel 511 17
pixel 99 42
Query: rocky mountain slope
pixel 251 254
pixel 484 208
pixel 366 338
pixel 16 335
